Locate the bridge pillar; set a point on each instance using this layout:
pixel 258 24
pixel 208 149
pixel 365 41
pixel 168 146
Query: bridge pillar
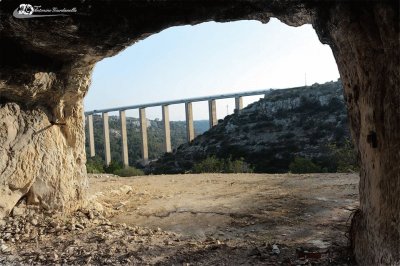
pixel 167 130
pixel 189 121
pixel 91 135
pixel 212 113
pixel 143 133
pixel 106 132
pixel 124 138
pixel 238 103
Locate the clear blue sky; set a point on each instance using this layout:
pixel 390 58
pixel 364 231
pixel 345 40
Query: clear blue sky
pixel 207 59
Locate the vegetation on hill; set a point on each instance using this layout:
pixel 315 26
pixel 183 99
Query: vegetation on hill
pixel 213 164
pixel 301 129
pixel 95 165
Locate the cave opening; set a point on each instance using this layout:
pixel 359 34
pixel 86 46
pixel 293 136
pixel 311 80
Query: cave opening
pixel 207 59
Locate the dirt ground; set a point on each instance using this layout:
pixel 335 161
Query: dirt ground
pixel 204 219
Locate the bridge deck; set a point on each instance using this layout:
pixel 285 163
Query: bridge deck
pixel 188 100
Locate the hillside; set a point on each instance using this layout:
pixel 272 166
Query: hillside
pixel 307 122
pixel 155 137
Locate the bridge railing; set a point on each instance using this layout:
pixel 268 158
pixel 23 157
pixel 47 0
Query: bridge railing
pixel 212 108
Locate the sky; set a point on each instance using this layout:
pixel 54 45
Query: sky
pixel 210 59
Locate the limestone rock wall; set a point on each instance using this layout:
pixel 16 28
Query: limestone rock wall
pixel 42 155
pixel 365 43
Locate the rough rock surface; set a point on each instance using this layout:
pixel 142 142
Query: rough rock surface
pixel 41 148
pixel 46 65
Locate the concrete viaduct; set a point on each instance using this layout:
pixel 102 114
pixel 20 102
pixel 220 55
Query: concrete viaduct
pixel 212 109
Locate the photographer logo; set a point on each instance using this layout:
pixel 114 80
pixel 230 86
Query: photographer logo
pixel 29 11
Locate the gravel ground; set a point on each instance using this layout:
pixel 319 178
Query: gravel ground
pixel 205 219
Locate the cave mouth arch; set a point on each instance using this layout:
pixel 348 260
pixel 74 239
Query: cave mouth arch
pixel 206 59
pixel 46 71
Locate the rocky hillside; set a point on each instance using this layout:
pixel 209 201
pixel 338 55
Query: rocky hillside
pixel 268 134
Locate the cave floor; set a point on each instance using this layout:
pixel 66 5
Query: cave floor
pixel 204 219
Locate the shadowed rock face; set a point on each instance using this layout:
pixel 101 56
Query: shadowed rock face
pixel 45 71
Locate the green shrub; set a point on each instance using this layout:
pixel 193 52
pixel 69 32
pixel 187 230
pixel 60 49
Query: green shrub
pixel 94 165
pixel 128 171
pixel 114 166
pixel 237 166
pixel 302 165
pixel 209 165
pixel 345 157
pixel 215 165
